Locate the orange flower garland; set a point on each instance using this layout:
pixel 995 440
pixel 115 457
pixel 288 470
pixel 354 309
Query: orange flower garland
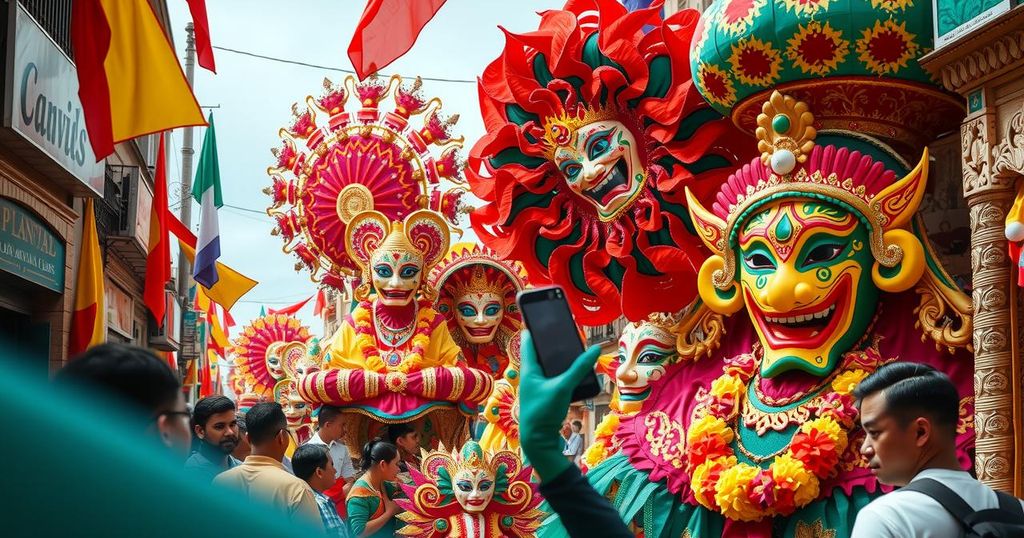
pixel 366 339
pixel 745 492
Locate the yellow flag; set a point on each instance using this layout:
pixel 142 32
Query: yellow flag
pixel 231 285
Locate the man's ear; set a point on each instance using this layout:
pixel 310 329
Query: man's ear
pixel 163 428
pixel 922 431
pixel 199 431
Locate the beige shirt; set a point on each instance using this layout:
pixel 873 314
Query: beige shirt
pixel 265 479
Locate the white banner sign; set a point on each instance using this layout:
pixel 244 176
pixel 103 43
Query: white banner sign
pixel 45 107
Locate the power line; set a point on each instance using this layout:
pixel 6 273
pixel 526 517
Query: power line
pixel 329 68
pixel 250 210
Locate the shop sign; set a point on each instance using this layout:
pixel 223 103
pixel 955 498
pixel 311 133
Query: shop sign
pixel 45 108
pixel 29 249
pixel 120 309
pixel 956 18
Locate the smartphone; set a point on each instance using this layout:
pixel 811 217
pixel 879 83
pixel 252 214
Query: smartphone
pixel 555 335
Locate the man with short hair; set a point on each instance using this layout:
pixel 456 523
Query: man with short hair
pixel 330 429
pixel 314 464
pixel 215 426
pixel 909 413
pixel 136 377
pixel 261 475
pixel 574 444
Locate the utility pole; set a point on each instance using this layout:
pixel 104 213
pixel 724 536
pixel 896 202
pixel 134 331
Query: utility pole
pixel 184 267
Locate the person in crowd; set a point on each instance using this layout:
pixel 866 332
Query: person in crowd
pixel 371 508
pixel 564 434
pixel 573 450
pixel 139 379
pixel 543 405
pixel 329 431
pixel 262 476
pixel 313 463
pixel 215 425
pixel 909 413
pixel 407 439
pixel 243 448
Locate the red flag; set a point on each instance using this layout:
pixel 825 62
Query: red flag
pixel 321 302
pixel 228 320
pixel 291 310
pixel 205 381
pixel 158 261
pixel 204 49
pixel 386 31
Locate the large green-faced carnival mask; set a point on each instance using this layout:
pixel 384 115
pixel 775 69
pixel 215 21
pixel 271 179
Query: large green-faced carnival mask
pixel 807 249
pixel 805 274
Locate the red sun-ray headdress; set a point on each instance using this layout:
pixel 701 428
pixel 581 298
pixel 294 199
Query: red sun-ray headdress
pixel 264 337
pixel 544 86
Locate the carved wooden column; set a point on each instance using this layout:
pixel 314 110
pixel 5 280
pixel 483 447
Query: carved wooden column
pixel 988 198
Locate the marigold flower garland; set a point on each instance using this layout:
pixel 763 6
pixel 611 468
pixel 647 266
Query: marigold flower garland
pixel 745 492
pixel 366 339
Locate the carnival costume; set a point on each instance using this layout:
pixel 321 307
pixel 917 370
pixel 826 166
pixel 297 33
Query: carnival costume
pixel 470 493
pixel 477 296
pixel 818 240
pixel 593 131
pixel 393 359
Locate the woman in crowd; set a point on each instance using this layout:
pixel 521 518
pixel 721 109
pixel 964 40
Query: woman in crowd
pixel 371 510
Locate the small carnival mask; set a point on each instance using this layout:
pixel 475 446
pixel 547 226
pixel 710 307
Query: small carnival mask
pixel 275 360
pixel 473 488
pixel 479 314
pixel 397 273
pixel 296 410
pixel 645 349
pixel 805 271
pixel 600 161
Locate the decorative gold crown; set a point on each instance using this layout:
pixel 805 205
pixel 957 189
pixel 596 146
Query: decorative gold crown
pixel 474 459
pixel 397 240
pixel 560 130
pixel 665 321
pixel 479 283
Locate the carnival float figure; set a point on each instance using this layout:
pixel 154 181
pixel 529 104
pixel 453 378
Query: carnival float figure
pixel 470 493
pixel 818 240
pixel 271 355
pixel 358 169
pixel 593 131
pixel 477 296
pixel 393 359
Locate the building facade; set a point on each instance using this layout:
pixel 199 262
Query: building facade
pixel 979 55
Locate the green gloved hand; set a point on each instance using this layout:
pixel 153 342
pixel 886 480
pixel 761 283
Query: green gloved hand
pixel 543 404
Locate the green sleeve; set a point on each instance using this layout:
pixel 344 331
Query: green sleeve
pixel 359 511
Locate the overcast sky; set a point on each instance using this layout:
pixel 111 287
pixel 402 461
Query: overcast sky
pixel 255 98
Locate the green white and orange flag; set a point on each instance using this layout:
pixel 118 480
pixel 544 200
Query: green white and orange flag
pixel 88 322
pixel 129 78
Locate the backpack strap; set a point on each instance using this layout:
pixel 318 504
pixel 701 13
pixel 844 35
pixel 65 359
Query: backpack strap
pixel 953 503
pixel 1010 504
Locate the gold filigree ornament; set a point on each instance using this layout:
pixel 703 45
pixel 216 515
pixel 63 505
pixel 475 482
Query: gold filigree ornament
pixel 352 200
pixel 699 331
pixel 560 131
pixel 785 133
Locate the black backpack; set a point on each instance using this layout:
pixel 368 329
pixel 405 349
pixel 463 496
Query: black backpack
pixel 1007 521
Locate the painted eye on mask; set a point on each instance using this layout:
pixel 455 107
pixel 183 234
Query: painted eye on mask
pixel 485 485
pixel 823 253
pixel 409 271
pixel 758 261
pixel 383 271
pixel 492 310
pixel 274 362
pixel 467 311
pixel 572 170
pixel 648 358
pixel 600 146
pixel 464 486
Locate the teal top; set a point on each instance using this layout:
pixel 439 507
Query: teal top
pixel 364 504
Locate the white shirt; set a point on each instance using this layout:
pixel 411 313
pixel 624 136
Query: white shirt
pixel 910 514
pixel 339 453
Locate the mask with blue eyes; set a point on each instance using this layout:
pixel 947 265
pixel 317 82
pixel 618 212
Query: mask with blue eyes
pixel 479 315
pixel 601 163
pixel 473 488
pixel 396 275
